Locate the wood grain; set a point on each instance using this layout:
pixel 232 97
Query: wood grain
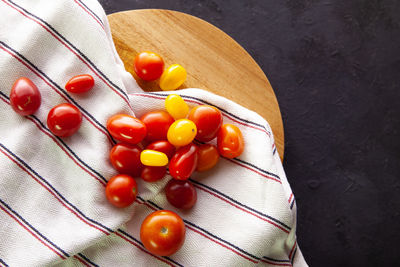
pixel 213 60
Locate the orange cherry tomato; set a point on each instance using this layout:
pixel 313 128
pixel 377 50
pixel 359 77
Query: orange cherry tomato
pixel 163 232
pixel 80 84
pixel 230 141
pixel 126 128
pixel 121 190
pixel 149 66
pixel 208 157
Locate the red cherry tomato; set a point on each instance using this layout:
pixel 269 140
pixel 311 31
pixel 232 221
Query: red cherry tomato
pixel 163 146
pixel 208 120
pixel 80 84
pixel 126 128
pixel 153 173
pixel 208 157
pixel 121 190
pixel 163 232
pixel 157 124
pixel 64 120
pixel 149 66
pixel 25 97
pixel 181 194
pixel 183 162
pixel 230 141
pixel 126 159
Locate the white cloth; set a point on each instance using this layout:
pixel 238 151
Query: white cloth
pixel 53 209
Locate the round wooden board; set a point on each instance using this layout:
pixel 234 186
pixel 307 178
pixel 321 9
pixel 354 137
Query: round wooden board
pixel 213 60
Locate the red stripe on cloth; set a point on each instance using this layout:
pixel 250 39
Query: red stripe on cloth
pixel 291 251
pixel 197 102
pixel 143 249
pixel 70 49
pixel 51 192
pixel 277 264
pixel 236 206
pixel 26 228
pixel 244 166
pixel 290 198
pixel 82 261
pixel 101 25
pixel 51 86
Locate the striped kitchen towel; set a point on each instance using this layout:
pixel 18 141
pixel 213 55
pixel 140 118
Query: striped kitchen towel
pixel 53 209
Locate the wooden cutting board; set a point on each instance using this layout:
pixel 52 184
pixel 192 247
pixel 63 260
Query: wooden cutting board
pixel 213 60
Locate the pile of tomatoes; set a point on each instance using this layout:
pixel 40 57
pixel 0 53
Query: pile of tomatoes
pixel 173 139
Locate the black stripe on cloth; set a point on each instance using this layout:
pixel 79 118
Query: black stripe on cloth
pixel 271 259
pixel 258 168
pixel 87 259
pixel 72 46
pixel 33 228
pixel 221 109
pixel 91 11
pixel 294 255
pixel 209 233
pixel 241 204
pixel 22 162
pixel 291 205
pixel 3 262
pixel 63 143
pixel 65 94
pixel 141 244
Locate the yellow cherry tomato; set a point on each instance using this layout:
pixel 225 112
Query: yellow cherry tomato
pixel 181 132
pixel 153 158
pixel 176 106
pixel 173 77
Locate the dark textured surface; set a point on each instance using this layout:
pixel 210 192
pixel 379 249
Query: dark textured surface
pixel 335 68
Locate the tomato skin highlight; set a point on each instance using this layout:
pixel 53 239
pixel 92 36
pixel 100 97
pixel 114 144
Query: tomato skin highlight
pixel 64 120
pixel 157 124
pixel 183 162
pixel 208 120
pixel 181 194
pixel 208 157
pixel 163 232
pixel 163 146
pixel 25 97
pixel 126 159
pixel 80 84
pixel 230 142
pixel 126 128
pixel 121 190
pixel 149 66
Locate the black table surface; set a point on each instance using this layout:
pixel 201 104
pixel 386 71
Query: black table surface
pixel 335 69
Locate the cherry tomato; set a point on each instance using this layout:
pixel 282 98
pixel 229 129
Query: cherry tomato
pixel 208 120
pixel 153 174
pixel 208 157
pixel 163 146
pixel 80 84
pixel 184 162
pixel 157 124
pixel 230 141
pixel 181 132
pixel 121 190
pixel 64 120
pixel 149 66
pixel 153 158
pixel 176 106
pixel 126 128
pixel 126 159
pixel 25 97
pixel 173 77
pixel 181 194
pixel 163 232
